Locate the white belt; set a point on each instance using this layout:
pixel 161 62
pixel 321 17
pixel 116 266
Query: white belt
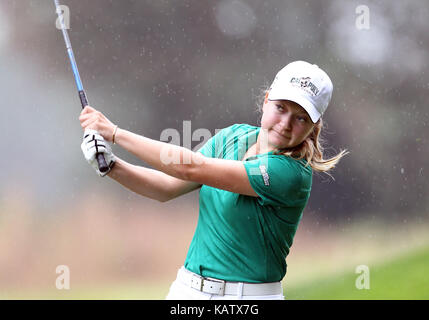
pixel 221 287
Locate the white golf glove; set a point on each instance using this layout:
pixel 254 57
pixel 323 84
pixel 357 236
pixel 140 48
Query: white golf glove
pixel 94 143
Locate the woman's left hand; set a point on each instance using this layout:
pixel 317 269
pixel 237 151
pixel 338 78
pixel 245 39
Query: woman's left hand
pixel 92 119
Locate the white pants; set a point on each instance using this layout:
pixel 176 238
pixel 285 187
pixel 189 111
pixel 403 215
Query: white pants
pixel 180 291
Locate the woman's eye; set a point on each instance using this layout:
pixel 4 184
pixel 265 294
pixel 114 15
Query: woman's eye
pixel 279 107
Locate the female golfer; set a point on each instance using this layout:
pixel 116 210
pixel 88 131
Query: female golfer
pixel 254 185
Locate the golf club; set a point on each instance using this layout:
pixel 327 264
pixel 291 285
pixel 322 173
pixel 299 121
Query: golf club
pixel 102 165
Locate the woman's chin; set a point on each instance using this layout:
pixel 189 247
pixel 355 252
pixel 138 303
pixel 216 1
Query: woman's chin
pixel 279 143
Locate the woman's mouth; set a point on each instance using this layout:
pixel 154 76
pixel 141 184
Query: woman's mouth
pixel 280 135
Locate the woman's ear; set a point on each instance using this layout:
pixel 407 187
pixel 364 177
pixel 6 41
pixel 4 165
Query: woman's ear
pixel 316 126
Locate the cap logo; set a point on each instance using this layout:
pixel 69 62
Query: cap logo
pixel 305 84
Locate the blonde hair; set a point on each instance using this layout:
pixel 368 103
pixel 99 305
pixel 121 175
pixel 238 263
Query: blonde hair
pixel 311 149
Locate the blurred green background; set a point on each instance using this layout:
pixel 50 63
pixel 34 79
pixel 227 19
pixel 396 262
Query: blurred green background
pixel 150 66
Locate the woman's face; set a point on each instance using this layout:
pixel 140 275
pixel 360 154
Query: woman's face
pixel 287 124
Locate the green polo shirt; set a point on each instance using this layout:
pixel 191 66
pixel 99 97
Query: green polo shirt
pixel 243 238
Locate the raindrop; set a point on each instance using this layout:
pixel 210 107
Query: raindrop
pixel 235 18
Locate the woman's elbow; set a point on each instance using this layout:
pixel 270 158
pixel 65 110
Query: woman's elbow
pixel 164 198
pixel 190 171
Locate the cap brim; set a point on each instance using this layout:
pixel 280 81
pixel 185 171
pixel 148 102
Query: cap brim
pixel 293 94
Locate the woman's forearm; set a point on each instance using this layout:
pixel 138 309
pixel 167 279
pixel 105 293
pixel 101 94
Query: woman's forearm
pixel 144 181
pixel 170 159
pixel 173 160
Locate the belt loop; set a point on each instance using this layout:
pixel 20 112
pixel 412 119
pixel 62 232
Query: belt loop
pixel 240 290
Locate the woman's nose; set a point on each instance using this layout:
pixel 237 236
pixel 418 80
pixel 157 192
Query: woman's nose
pixel 286 123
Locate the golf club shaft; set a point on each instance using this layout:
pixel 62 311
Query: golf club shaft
pixel 102 165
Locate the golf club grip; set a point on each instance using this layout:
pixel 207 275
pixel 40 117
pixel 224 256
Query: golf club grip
pixel 102 165
pixel 83 100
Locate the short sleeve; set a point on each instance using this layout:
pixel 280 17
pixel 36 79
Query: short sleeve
pixel 209 148
pixel 215 146
pixel 278 180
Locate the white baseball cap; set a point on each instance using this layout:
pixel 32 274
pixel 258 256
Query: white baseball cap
pixel 303 83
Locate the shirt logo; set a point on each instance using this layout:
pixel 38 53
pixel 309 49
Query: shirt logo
pixel 305 84
pixel 265 175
